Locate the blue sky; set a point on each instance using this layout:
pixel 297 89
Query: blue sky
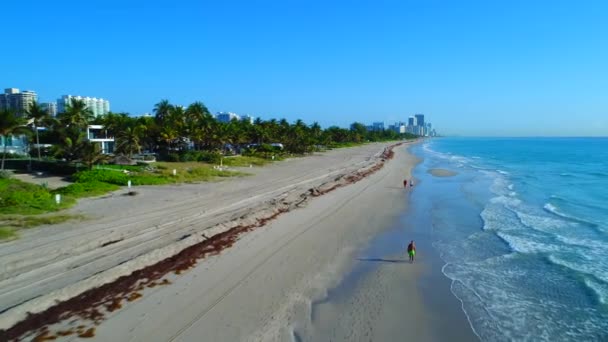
pixel 472 67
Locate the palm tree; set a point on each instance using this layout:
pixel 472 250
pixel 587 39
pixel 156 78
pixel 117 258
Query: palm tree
pixel 76 114
pixel 129 140
pixel 114 123
pixel 71 144
pixel 91 154
pixel 37 116
pixel 196 111
pixel 161 110
pixel 10 124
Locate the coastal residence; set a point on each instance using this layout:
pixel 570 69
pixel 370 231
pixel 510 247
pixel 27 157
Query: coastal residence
pixel 98 134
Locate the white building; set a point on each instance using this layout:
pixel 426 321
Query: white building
pixel 97 133
pixel 97 106
pixel 17 101
pixel 226 116
pixel 398 127
pixel 50 107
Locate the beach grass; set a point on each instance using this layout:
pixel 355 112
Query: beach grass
pixel 86 189
pixel 11 224
pixel 189 172
pixel 245 161
pixel 17 197
pixel 7 233
pixel 157 174
pixel 27 221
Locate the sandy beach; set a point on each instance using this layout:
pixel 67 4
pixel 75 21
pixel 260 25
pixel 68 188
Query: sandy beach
pixel 261 288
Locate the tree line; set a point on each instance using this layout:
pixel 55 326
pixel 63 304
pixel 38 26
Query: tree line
pixel 173 129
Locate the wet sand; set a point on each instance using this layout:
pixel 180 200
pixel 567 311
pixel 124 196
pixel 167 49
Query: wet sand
pixel 442 173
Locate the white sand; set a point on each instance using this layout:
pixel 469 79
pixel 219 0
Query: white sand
pixel 58 262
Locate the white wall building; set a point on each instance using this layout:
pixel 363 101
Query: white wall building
pixel 50 107
pixel 98 134
pixel 17 101
pixel 98 106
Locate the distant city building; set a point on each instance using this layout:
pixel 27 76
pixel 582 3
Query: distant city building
pixel 419 120
pixel 411 121
pixel 97 105
pixel 50 107
pixel 226 116
pixel 398 127
pixel 378 126
pixel 17 101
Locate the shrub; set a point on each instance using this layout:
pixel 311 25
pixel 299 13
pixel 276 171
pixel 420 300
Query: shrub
pixel 4 174
pixel 87 189
pixel 172 157
pixel 17 197
pixel 106 176
pixel 14 156
pixel 209 157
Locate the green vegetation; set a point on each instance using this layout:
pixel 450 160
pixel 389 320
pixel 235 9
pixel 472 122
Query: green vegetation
pixel 86 189
pixel 245 161
pixel 183 134
pixel 10 124
pixel 17 197
pixel 15 221
pixel 186 172
pixel 7 233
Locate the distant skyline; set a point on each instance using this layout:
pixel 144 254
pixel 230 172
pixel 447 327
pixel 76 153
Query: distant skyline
pixel 490 68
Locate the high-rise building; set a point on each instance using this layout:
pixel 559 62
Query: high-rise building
pixel 97 106
pixel 378 126
pixel 226 116
pixel 411 121
pixel 419 120
pixel 50 107
pixel 398 127
pixel 17 101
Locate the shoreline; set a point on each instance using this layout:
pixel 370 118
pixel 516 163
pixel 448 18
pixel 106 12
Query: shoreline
pixel 315 191
pixel 410 299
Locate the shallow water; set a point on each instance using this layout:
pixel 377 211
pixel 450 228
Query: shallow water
pixel 523 231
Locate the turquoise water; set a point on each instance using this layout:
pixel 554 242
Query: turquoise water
pixel 523 230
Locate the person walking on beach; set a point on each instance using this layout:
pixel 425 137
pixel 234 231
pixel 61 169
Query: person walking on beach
pixel 411 183
pixel 405 183
pixel 411 251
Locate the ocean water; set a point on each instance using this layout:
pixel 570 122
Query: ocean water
pixel 523 232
